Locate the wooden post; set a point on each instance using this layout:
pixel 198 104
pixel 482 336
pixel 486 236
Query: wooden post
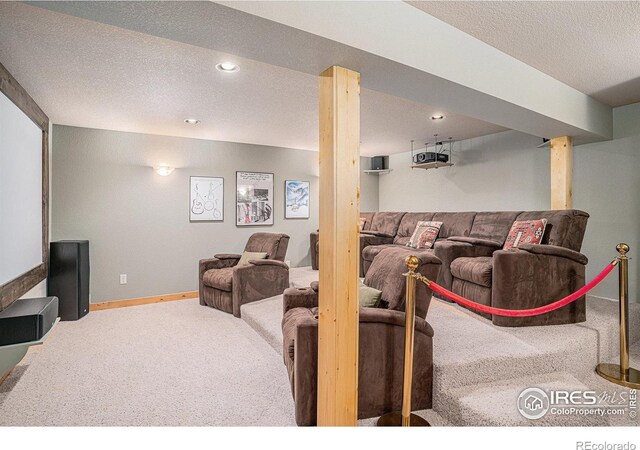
pixel 562 172
pixel 339 117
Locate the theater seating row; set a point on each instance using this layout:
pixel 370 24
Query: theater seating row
pixel 469 245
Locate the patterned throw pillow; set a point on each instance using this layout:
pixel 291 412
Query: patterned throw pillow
pixel 525 232
pixel 363 222
pixel 425 234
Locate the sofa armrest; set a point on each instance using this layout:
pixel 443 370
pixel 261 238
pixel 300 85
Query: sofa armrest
pixel 214 263
pixel 313 249
pixel 305 372
pixel 227 256
pixel 554 250
pixel 392 317
pixel 476 241
pixel 376 233
pixel 525 280
pixel 299 298
pixel 269 262
pixel 372 239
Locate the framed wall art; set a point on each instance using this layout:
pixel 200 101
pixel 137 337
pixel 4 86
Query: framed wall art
pixel 254 198
pixel 296 199
pixel 206 199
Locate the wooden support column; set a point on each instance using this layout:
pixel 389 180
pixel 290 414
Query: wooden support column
pixel 562 172
pixel 339 117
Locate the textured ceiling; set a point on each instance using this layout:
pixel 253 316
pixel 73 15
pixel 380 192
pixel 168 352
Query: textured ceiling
pixel 87 74
pixel 593 46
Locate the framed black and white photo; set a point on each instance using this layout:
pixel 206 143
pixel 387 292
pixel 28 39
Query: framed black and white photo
pixel 206 199
pixel 296 199
pixel 254 198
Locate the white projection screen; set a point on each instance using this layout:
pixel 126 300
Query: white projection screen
pixel 20 192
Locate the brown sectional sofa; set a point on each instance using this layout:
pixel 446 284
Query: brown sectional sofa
pixel 381 342
pixel 475 266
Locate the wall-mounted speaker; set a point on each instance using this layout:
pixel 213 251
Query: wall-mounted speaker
pixel 378 163
pixel 69 278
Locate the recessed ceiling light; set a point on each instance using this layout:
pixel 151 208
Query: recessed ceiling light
pixel 227 67
pixel 191 121
pixel 437 117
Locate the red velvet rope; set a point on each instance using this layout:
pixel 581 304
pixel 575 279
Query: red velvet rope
pixel 524 312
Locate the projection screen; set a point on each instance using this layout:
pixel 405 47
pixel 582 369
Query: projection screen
pixel 20 192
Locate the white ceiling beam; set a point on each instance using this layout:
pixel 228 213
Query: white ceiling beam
pixel 399 32
pixel 397 49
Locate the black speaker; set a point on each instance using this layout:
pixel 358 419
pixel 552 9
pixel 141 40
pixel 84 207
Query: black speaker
pixel 377 163
pixel 69 278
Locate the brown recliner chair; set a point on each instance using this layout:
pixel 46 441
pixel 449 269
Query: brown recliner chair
pixel 226 286
pixel 379 229
pixel 381 340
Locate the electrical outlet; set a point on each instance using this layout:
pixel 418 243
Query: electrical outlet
pixel 123 278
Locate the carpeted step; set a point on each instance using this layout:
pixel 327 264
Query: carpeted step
pixel 265 317
pixel 469 349
pixel 495 404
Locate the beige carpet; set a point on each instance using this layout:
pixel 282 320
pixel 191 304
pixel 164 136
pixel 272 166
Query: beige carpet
pixel 480 369
pixel 180 363
pixel 174 363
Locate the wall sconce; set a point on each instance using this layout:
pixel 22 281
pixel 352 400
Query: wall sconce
pixel 163 171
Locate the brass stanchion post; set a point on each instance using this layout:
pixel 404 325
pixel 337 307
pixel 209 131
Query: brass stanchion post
pixel 405 418
pixel 621 373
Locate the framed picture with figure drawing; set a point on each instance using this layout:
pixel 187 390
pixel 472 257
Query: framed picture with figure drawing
pixel 254 198
pixel 296 198
pixel 206 199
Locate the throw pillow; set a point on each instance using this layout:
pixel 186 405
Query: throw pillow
pixel 525 232
pixel 363 222
pixel 369 297
pixel 425 234
pixel 250 256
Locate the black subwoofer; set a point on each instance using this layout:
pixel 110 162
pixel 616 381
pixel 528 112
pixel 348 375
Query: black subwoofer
pixel 69 278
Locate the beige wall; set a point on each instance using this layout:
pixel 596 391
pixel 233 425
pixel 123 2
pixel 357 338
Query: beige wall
pixel 502 171
pixel 137 221
pixel 505 171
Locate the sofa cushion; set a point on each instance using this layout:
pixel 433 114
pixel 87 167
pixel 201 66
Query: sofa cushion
pixel 493 226
pixel 219 278
pixel 368 217
pixel 273 244
pixel 386 222
pixel 408 225
pixel 371 251
pixel 476 270
pixel 454 223
pixel 565 228
pixel 386 275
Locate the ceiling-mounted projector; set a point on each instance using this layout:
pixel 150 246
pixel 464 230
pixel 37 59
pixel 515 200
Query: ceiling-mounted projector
pixel 428 157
